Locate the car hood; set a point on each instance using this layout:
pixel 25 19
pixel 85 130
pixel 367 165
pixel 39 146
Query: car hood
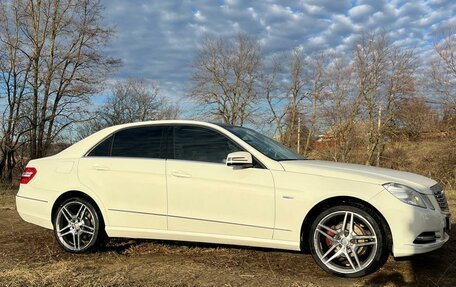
pixel 358 172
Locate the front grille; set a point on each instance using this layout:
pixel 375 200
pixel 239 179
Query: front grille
pixel 437 190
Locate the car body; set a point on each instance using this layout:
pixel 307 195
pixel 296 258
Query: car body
pixel 168 186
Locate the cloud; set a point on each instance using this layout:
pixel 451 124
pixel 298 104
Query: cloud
pixel 360 12
pixel 332 6
pixel 157 40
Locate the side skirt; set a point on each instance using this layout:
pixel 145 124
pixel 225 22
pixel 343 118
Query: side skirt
pixel 199 237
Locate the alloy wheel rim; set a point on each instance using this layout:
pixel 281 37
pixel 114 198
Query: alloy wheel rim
pixel 345 242
pixel 75 225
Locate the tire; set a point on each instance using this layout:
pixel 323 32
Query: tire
pixel 78 226
pixel 359 249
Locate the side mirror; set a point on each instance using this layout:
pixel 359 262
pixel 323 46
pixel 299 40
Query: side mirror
pixel 239 158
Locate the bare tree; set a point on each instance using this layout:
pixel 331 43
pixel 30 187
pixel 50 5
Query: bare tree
pixel 275 99
pixel 225 77
pixel 134 100
pixel 14 70
pixel 296 92
pixel 316 74
pixel 342 104
pixel 443 69
pixel 51 63
pixel 441 79
pixel 284 90
pixel 61 40
pixel 371 59
pixel 385 74
pixel 292 94
pixel 130 100
pixel 413 117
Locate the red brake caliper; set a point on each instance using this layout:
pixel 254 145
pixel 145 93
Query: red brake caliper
pixel 330 233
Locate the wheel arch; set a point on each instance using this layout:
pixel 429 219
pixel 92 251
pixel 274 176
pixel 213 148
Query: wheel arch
pixel 76 193
pixel 334 201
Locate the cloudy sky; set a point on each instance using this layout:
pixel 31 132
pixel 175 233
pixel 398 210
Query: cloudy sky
pixel 157 40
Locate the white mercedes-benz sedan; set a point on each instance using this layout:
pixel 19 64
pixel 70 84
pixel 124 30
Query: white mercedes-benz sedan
pixel 198 181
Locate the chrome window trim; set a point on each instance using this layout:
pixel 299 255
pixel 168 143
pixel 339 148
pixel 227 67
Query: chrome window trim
pixel 166 138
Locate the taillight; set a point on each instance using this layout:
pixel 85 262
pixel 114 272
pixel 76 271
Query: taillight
pixel 28 174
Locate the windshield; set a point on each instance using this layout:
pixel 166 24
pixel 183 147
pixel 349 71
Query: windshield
pixel 263 144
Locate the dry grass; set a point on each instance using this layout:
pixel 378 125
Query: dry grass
pixel 435 158
pixel 29 256
pixel 431 158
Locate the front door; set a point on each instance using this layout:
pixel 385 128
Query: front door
pixel 206 196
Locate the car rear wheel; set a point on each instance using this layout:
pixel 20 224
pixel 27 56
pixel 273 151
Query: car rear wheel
pixel 77 226
pixel 348 241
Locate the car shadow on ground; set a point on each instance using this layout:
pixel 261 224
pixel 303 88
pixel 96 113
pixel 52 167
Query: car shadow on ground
pixel 123 245
pixel 437 268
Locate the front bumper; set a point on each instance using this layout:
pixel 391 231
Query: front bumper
pixel 407 222
pixel 412 249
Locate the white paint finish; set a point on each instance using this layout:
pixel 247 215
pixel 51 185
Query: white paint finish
pixel 218 199
pixel 34 211
pixel 201 237
pixel 407 223
pixel 215 203
pixel 307 191
pixel 356 172
pixel 239 158
pixel 128 184
pixel 413 249
pixel 53 174
pixel 64 167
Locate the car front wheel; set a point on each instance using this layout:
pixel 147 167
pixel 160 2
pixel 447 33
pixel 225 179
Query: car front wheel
pixel 348 241
pixel 77 225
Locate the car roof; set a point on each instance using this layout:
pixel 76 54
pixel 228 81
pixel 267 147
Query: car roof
pixel 83 146
pixel 163 122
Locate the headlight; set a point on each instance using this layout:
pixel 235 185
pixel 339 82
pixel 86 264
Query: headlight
pixel 406 194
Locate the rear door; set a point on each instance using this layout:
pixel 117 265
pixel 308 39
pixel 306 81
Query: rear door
pixel 127 172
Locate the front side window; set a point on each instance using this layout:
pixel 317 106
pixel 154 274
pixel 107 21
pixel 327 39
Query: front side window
pixel 263 144
pixel 201 144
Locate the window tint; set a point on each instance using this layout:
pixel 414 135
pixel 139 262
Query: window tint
pixel 263 144
pixel 138 142
pixel 102 149
pixel 200 144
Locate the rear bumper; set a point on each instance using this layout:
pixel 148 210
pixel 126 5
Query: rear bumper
pixel 34 210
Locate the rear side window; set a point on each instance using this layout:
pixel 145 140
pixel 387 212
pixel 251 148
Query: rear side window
pixel 145 142
pixel 102 149
pixel 200 144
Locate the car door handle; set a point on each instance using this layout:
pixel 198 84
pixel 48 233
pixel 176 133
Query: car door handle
pixel 100 167
pixel 179 173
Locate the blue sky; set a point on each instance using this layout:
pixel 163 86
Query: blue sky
pixel 157 40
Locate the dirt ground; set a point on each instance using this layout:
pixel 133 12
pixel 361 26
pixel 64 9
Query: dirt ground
pixel 29 256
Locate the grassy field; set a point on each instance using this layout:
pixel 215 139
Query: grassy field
pixel 29 256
